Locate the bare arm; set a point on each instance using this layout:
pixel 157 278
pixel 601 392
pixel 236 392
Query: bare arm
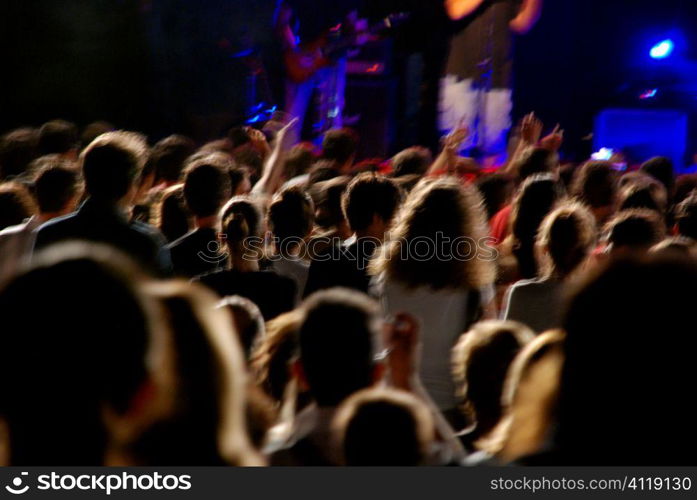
pixel 284 32
pixel 273 168
pixel 457 9
pixel 527 17
pixel 447 159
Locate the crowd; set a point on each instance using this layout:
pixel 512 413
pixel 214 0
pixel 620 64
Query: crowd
pixel 255 302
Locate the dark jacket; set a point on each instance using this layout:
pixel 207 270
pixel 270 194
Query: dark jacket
pixel 103 223
pixel 196 253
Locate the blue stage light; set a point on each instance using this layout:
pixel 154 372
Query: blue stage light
pixel 663 49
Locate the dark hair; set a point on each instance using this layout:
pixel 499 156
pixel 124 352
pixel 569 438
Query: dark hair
pixel 627 349
pixel 411 161
pixel 17 150
pixel 321 171
pixel 174 219
pixel 237 177
pixel 16 204
pixel 76 289
pixel 495 190
pixel 661 169
pixel 236 230
pixel 537 198
pixel 57 137
pixel 635 228
pixel 684 186
pixel 299 160
pixel 206 186
pixel 94 130
pixel 535 161
pixel 339 145
pixel 368 195
pixel 291 214
pixel 169 156
pixel 384 427
pixel 336 337
pixel 327 197
pixel 686 217
pixel 649 195
pixel 54 186
pixel 595 184
pixel 112 163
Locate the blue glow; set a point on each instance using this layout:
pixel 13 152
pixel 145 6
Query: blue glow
pixel 663 49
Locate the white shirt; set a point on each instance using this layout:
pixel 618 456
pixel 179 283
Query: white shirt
pixel 296 269
pixel 442 315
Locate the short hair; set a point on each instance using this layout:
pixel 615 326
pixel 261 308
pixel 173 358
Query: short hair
pixel 686 216
pixel 635 228
pixel 535 161
pixel 16 204
pixel 112 163
pixel 595 184
pixel 54 186
pixel 77 288
pixel 299 160
pixel 321 171
pixel 339 145
pixel 369 195
pixel 57 137
pixel 480 361
pixel 415 160
pixel 568 234
pixel 291 214
pixel 206 186
pixel 169 157
pixel 337 343
pixel 661 168
pixel 17 149
pixel 172 214
pixel 383 427
pixel 648 194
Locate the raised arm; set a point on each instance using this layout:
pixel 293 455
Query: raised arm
pixel 528 16
pixel 457 9
pixel 284 31
pixel 272 175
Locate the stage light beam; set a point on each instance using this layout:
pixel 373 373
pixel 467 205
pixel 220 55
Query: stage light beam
pixel 663 50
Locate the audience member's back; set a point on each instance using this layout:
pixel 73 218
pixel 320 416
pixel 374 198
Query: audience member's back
pixel 110 166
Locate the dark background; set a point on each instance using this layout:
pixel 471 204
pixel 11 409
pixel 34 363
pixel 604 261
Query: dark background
pixel 166 66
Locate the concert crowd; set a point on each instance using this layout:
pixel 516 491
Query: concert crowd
pixel 253 301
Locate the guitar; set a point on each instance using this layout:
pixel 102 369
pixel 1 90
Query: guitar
pixel 302 64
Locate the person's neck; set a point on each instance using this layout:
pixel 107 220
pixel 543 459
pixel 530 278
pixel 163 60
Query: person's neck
pixel 242 265
pixel 47 216
pixel 209 222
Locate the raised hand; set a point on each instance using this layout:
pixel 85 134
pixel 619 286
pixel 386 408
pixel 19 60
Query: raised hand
pixel 554 140
pixel 531 129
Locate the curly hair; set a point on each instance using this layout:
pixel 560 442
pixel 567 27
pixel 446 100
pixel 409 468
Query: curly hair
pixel 435 209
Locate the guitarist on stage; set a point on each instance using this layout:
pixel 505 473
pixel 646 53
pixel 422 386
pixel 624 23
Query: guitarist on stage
pixel 302 25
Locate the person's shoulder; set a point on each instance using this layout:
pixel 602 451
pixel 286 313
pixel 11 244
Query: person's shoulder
pixel 10 231
pixel 181 241
pixel 57 228
pixel 149 232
